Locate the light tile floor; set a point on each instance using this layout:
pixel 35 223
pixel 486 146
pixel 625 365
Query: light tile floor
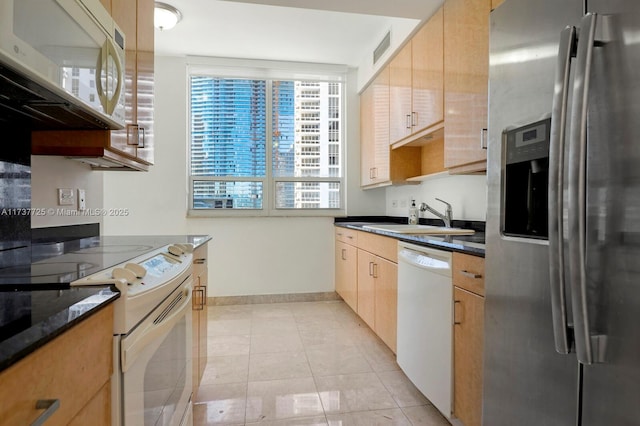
pixel 309 363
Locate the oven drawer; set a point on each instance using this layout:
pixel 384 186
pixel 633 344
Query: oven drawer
pixel 72 368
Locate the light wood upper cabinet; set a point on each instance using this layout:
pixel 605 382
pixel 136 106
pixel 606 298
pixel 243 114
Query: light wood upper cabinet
pixel 132 147
pixel 125 16
pixel 466 67
pixel 400 95
pixel 374 131
pixel 379 165
pixel 427 74
pixel 136 139
pixel 416 83
pixel 145 74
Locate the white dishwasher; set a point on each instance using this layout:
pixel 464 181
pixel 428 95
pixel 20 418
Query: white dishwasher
pixel 425 310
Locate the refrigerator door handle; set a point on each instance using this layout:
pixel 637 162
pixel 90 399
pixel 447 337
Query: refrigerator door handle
pixel 589 346
pixel 561 331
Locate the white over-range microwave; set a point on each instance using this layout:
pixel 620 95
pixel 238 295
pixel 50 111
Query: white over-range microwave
pixel 62 60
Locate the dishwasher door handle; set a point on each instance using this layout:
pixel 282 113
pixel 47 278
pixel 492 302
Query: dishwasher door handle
pixel 429 261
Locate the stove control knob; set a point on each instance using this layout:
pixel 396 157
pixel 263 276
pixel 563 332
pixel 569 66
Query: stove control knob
pixel 175 250
pixel 124 274
pixel 136 269
pixel 187 247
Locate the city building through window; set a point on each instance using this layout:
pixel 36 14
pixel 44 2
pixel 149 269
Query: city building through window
pixel 271 146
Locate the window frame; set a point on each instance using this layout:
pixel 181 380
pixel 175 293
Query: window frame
pixel 269 71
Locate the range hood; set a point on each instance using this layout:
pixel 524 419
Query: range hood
pixel 32 106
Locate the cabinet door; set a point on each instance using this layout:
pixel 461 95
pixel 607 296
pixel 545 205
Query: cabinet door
pixel 374 131
pixel 73 368
pixel 427 74
pixel 466 68
pixel 347 273
pixel 366 287
pixel 386 301
pixel 467 354
pixel 201 274
pixel 367 135
pixel 145 79
pixel 400 95
pixel 126 17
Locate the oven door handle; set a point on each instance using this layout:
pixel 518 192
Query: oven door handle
pixel 162 324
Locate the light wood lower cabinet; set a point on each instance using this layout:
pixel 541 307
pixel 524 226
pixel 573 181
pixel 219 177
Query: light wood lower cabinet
pixel 74 368
pixel 386 302
pixel 367 279
pixel 366 288
pixel 468 294
pixel 199 315
pixel 378 295
pixel 347 273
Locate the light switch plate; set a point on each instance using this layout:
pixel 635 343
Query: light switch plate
pixel 65 197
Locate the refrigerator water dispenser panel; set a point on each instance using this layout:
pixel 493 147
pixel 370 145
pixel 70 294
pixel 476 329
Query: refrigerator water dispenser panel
pixel 525 180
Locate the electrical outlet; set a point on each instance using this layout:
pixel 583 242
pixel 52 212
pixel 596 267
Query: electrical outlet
pixel 394 204
pixel 65 197
pixel 82 199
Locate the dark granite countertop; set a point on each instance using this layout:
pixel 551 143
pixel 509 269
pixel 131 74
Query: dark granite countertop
pixel 53 264
pixel 31 319
pixel 468 244
pixel 36 300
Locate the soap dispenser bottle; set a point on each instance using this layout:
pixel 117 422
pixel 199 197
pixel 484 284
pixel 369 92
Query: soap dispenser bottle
pixel 413 213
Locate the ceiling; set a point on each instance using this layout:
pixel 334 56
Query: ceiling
pixel 321 31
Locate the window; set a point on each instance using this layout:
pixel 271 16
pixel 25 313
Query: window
pixel 264 146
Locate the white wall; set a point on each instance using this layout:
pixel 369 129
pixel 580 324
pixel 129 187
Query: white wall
pixel 401 31
pixel 49 173
pixel 247 255
pixel 467 195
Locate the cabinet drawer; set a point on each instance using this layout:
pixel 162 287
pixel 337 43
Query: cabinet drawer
pixel 468 272
pixel 385 247
pixel 347 235
pixel 71 368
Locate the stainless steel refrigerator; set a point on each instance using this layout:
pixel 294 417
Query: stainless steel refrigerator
pixel 562 307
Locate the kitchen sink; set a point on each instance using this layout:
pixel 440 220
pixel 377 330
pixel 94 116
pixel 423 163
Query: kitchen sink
pixel 419 229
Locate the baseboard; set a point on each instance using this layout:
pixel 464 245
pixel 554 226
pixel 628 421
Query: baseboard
pixel 273 298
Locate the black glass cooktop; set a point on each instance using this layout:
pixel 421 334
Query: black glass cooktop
pixel 54 265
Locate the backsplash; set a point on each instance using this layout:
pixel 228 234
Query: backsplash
pixel 50 173
pixel 467 195
pixel 15 196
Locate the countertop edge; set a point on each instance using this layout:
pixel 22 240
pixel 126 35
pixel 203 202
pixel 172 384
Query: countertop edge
pixel 419 240
pixel 18 347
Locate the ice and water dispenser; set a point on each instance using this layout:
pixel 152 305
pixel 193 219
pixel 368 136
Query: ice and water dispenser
pixel 525 180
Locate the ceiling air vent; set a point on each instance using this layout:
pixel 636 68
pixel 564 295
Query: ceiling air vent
pixel 382 47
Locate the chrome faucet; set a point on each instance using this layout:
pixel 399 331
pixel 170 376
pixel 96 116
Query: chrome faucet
pixel 447 217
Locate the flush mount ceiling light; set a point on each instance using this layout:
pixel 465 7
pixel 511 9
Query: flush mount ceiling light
pixel 165 16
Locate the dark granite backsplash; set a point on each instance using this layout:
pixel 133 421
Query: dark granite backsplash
pixel 15 196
